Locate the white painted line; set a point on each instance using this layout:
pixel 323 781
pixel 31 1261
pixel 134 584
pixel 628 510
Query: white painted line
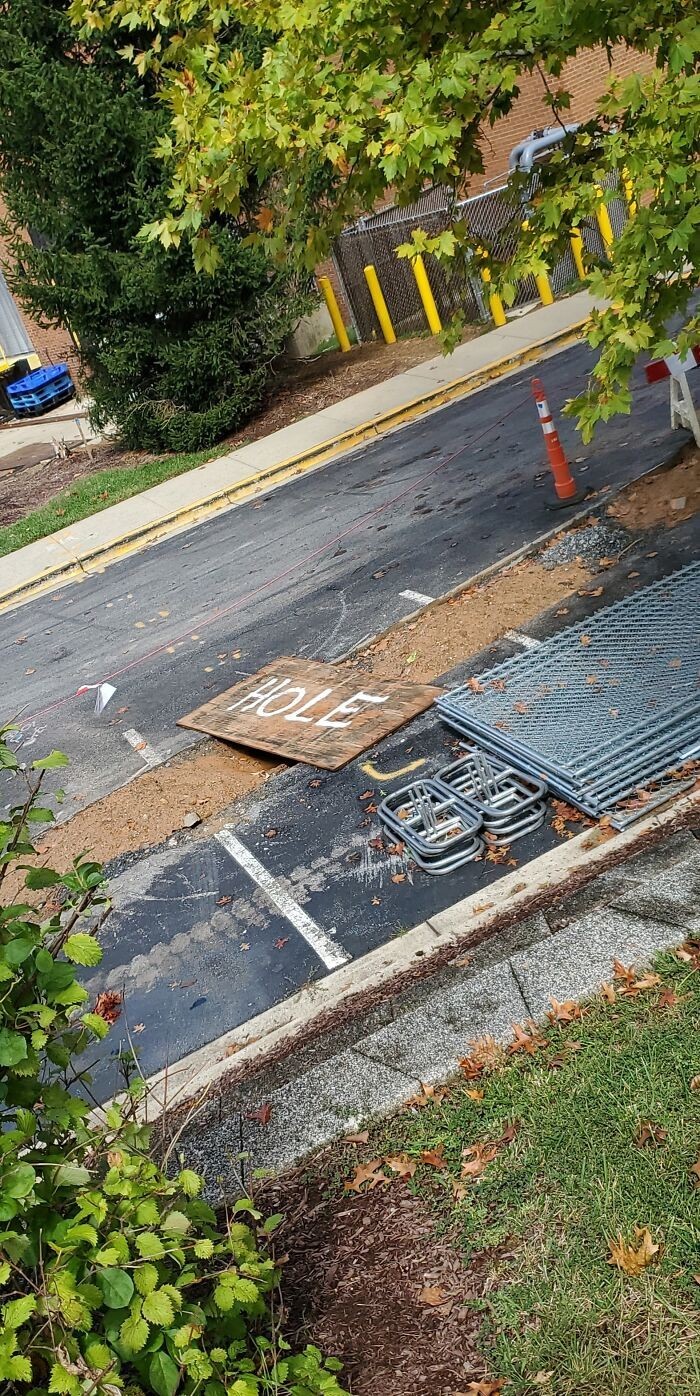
pixel 417 596
pixel 332 955
pixel 526 641
pixel 141 746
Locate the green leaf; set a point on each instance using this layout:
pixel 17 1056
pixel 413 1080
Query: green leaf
pixel 62 1382
pixel 145 1278
pixel 117 1287
pixel 177 1223
pixel 133 1333
pixel 13 1047
pixel 72 1175
pixel 190 1182
pixel 271 1223
pixel 16 951
pixel 83 949
pixel 204 1249
pixel 157 1308
pixel 149 1246
pixel 18 1311
pixel 50 762
pixel 19 1181
pixel 38 878
pixel 163 1374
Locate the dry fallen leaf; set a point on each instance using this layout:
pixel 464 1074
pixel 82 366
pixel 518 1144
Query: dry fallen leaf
pixel 649 1133
pixel 695 1170
pixel 633 1260
pixel 474 1094
pixel 585 640
pixel 668 998
pixel 475 686
pixel 369 1173
pixel 695 1083
pixel 482 1388
pixel 366 795
pixel 108 1005
pixel 262 1115
pixel 526 1039
pixel 428 1095
pixel 401 1164
pixel 280 943
pixel 542 1378
pixel 434 1158
pixel 609 994
pixel 398 877
pixel 376 901
pixel 567 1012
pixel 475 1158
pixel 361 1138
pixel 433 1296
pixel 520 707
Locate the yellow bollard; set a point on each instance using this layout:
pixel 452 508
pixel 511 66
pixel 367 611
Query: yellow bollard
pixel 426 295
pixel 629 193
pixel 495 303
pixel 577 252
pixel 544 288
pixel 379 304
pixel 605 225
pixel 333 308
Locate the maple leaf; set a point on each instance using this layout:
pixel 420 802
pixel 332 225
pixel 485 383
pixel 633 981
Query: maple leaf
pixel 265 220
pixel 567 1012
pixel 475 686
pixel 433 1296
pixel 108 1005
pixel 650 1133
pixel 398 877
pixel 526 1039
pixel 280 944
pixel 483 1388
pixel 633 1260
pixel 369 1173
pixel 434 1158
pixel 262 1115
pixel 475 1158
pixel 401 1164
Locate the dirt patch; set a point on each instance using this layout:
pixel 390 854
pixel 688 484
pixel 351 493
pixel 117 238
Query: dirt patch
pixel 355 1285
pixel 666 497
pixel 298 390
pixel 446 632
pixel 153 806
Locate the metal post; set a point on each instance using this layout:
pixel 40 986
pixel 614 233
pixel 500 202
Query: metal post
pixel 333 308
pixel 577 252
pixel 426 295
pixel 380 305
pixel 606 230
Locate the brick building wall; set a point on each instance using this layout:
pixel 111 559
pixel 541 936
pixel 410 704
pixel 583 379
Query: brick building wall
pixel 52 343
pixel 585 77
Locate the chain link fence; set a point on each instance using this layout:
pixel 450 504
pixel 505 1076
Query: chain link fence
pixel 494 217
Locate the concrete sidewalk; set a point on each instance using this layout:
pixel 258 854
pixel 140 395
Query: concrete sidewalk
pixel 220 483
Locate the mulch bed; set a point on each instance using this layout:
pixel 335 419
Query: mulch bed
pixel 354 1284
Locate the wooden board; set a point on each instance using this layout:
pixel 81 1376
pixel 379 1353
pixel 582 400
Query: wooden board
pixel 310 712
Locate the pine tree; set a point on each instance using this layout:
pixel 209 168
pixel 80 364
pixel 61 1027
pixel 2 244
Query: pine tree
pixel 174 359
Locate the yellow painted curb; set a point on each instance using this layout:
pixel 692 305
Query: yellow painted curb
pixel 276 474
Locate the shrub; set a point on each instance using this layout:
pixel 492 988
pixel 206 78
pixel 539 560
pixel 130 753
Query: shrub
pixel 115 1274
pixel 174 360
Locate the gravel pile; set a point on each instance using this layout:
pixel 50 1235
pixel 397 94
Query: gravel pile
pixel 590 543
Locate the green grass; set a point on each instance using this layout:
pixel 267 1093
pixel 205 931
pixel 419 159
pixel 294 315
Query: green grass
pixel 94 493
pixel 572 1179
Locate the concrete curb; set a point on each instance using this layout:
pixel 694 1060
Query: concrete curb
pixel 282 471
pixel 270 1037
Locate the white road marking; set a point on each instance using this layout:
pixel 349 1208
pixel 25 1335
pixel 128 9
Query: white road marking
pixel 332 955
pixel 526 641
pixel 147 753
pixel 417 596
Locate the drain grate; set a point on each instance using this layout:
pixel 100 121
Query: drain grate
pixel 605 707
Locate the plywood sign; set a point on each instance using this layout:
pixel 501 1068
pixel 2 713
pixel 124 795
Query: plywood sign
pixel 310 712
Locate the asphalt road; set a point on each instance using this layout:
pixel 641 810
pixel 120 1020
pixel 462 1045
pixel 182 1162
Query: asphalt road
pixel 309 569
pixel 197 947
